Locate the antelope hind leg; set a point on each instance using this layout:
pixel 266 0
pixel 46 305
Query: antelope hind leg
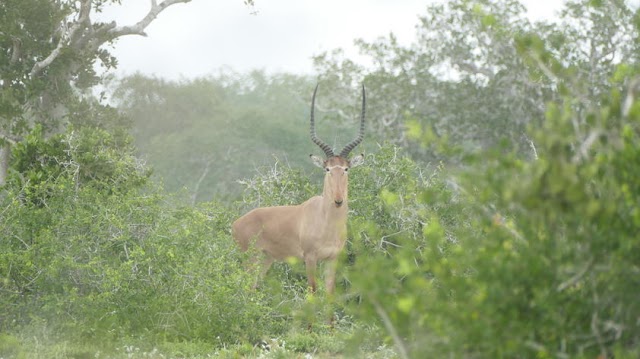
pixel 261 267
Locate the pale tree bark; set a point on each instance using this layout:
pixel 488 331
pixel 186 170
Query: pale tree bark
pixel 5 140
pixel 5 154
pixel 82 36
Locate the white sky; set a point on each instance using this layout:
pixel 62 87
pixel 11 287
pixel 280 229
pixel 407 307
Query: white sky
pixel 200 37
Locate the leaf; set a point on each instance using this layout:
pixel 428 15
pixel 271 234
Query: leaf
pixel 488 20
pixel 406 304
pixel 388 197
pixel 414 129
pixel 433 230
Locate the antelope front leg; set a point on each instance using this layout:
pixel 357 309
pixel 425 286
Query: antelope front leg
pixel 311 263
pixel 330 276
pixel 330 280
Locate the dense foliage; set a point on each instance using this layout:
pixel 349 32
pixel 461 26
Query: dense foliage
pixel 91 248
pixel 540 261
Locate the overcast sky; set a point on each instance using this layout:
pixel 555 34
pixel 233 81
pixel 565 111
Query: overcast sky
pixel 197 38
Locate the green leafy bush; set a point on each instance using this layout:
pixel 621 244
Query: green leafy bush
pixel 516 258
pixel 103 254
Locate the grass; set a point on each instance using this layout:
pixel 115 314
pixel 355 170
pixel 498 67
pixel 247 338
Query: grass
pixel 321 342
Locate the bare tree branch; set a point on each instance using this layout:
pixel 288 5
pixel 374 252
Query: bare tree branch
pixel 138 28
pixel 66 36
pixel 204 174
pixel 533 148
pixel 8 139
pixel 41 65
pixel 576 277
pixel 74 35
pixel 474 69
pixel 337 111
pixel 583 151
pixel 634 86
pixel 545 70
pixel 16 52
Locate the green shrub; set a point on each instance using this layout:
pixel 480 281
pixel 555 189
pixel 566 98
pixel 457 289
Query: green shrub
pixel 519 258
pixel 104 254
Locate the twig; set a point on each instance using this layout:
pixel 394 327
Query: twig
pixel 204 174
pixel 630 98
pixel 383 240
pixel 533 147
pixel 583 151
pixel 544 68
pixel 598 335
pixel 9 139
pixel 576 277
pixel 390 328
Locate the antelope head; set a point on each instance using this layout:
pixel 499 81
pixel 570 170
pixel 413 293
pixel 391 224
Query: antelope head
pixel 337 167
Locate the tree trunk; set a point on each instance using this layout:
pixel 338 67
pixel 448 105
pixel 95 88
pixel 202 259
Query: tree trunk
pixel 5 154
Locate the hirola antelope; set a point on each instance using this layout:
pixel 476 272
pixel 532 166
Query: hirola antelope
pixel 313 231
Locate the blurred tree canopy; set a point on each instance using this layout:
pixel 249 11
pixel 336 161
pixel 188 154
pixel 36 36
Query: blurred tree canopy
pixel 480 72
pixel 206 134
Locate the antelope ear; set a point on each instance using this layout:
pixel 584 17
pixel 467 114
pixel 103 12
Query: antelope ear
pixel 317 161
pixel 357 160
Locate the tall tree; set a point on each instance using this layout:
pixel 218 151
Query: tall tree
pixel 48 53
pixel 480 71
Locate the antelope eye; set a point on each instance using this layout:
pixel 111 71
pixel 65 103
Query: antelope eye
pixel 327 169
pixel 346 169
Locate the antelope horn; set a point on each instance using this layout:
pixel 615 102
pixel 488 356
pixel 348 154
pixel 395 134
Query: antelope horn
pixel 327 150
pixel 347 149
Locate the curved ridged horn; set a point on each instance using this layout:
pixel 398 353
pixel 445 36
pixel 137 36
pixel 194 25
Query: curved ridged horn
pixel 347 149
pixel 327 150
